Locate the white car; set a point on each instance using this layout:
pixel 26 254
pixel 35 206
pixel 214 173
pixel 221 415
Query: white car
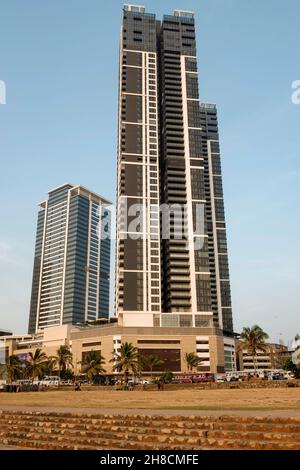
pixel 2 384
pixel 139 382
pixel 144 382
pixel 50 381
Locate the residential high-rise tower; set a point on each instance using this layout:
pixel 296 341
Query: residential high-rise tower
pixel 72 259
pixel 168 155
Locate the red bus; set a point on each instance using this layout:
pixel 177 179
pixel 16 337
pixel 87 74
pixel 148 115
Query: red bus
pixel 193 377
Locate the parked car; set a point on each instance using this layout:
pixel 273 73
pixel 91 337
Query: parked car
pixel 22 382
pixel 50 381
pixel 221 378
pixel 2 384
pixel 183 380
pixel 22 385
pixel 139 381
pixel 144 382
pixel 66 383
pixel 278 377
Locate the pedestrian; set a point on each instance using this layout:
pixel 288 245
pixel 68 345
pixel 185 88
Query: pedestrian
pixel 77 386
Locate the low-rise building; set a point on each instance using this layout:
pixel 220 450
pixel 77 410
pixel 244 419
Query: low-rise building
pixel 273 357
pixel 169 344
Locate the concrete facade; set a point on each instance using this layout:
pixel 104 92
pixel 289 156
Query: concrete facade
pixel 169 344
pixel 156 341
pixel 273 358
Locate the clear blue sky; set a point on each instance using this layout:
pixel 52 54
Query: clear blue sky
pixel 59 60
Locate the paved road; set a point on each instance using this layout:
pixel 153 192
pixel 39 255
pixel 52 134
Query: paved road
pixel 13 448
pixel 151 412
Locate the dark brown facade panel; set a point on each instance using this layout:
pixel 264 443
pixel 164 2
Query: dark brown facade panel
pixel 134 209
pixel 133 175
pixel 132 140
pixel 132 158
pixel 201 257
pixel 132 58
pixel 158 341
pixel 132 108
pixel 170 357
pixel 133 254
pixel 132 80
pixel 133 291
pixel 197 183
pixel 203 292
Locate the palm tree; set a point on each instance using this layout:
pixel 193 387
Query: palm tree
pixel 50 365
pixel 126 360
pixel 35 364
pixel 64 358
pixel 167 376
pixel 151 362
pixel 93 365
pixel 253 340
pixel 14 368
pixel 192 361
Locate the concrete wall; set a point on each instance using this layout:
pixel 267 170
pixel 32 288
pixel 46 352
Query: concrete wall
pixel 109 338
pixel 87 340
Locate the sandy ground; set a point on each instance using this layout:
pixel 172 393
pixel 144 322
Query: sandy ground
pixel 223 400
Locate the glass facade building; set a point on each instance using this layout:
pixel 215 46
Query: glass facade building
pixel 72 259
pixel 168 153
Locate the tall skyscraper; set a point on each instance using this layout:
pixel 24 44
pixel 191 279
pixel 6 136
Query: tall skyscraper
pixel 138 276
pixel 168 154
pixel 72 259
